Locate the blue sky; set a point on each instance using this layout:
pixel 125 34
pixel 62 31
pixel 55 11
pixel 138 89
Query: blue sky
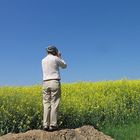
pixel 99 39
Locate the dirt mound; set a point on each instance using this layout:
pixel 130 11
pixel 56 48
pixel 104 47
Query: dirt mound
pixel 82 133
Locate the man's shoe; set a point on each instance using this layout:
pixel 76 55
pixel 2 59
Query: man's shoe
pixel 46 128
pixel 53 128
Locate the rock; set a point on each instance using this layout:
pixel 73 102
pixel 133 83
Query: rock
pixel 83 133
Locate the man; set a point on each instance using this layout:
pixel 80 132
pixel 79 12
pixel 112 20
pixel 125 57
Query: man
pixel 51 87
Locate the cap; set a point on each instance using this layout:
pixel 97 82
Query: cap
pixel 52 49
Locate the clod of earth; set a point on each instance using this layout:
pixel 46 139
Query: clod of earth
pixel 83 133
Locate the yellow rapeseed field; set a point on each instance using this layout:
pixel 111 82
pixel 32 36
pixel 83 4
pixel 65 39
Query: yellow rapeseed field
pixel 98 104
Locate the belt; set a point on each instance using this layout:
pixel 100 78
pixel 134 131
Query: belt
pixel 50 80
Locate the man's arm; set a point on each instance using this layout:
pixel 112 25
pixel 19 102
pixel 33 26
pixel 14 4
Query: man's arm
pixel 60 61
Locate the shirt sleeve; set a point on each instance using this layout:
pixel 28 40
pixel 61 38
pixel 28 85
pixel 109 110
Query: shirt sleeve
pixel 61 62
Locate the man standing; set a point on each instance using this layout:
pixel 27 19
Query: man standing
pixel 51 87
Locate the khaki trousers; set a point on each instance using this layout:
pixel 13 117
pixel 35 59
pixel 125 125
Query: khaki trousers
pixel 51 99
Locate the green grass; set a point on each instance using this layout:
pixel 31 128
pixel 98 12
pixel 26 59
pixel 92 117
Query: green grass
pixel 101 104
pixel 129 131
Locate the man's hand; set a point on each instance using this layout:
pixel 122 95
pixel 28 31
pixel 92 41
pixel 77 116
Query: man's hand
pixel 59 54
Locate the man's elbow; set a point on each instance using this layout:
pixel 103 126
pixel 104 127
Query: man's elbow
pixel 64 66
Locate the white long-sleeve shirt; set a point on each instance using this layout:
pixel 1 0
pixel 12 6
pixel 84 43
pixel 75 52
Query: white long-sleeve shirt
pixel 50 67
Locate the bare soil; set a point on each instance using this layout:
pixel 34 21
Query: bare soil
pixel 83 133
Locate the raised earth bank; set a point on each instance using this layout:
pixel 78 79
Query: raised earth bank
pixel 82 133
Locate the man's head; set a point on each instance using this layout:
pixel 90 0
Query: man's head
pixel 52 50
